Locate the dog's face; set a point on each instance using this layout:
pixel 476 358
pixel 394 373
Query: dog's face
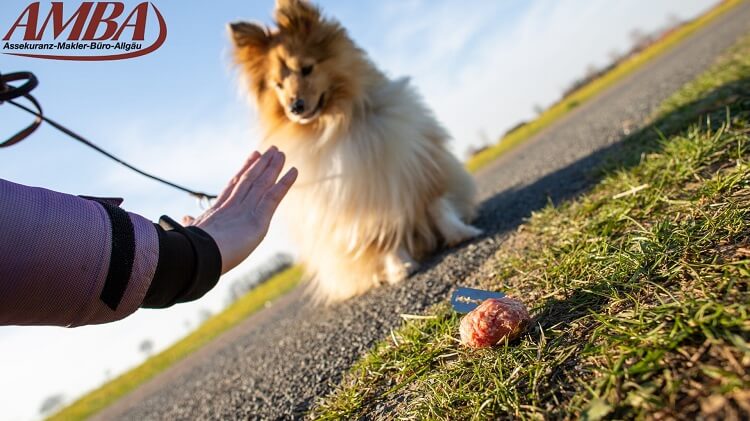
pixel 299 65
pixel 300 81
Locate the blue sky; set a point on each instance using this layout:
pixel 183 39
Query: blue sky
pixel 481 65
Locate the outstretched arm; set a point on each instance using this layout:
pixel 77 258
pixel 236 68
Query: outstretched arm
pixel 70 261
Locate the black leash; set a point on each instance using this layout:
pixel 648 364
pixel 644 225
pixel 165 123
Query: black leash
pixel 9 93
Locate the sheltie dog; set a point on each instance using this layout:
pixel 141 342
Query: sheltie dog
pixel 378 189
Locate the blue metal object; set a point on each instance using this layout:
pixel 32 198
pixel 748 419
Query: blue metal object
pixel 465 299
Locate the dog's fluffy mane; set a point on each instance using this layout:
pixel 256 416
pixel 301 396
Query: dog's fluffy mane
pixel 375 176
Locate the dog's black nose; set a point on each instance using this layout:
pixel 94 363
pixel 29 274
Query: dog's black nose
pixel 298 106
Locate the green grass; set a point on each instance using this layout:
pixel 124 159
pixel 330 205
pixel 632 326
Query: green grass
pixel 639 290
pixel 253 301
pixel 592 89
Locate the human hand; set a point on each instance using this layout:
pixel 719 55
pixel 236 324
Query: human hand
pixel 239 219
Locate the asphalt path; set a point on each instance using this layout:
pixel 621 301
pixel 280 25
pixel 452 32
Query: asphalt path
pixel 277 362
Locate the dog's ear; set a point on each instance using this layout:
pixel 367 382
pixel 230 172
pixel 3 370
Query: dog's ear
pixel 251 35
pixel 296 15
pixel 252 43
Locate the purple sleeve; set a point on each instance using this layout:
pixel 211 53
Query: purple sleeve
pixel 55 253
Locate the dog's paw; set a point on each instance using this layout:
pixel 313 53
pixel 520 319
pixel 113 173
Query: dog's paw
pixel 462 233
pixel 395 274
pixel 411 267
pixel 398 268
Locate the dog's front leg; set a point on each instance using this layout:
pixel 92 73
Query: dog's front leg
pixel 449 223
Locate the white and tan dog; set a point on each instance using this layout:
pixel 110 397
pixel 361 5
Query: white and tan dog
pixel 377 189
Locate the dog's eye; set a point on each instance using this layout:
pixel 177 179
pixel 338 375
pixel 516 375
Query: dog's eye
pixel 278 85
pixel 307 70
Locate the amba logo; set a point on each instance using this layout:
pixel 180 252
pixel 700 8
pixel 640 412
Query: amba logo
pixel 101 28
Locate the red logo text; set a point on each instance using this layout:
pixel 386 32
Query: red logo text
pixel 91 27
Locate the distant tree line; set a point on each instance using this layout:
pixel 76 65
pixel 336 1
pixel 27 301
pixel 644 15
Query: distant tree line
pixel 273 266
pixel 51 404
pixel 640 40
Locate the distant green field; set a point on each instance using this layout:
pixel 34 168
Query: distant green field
pixel 592 89
pixel 253 301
